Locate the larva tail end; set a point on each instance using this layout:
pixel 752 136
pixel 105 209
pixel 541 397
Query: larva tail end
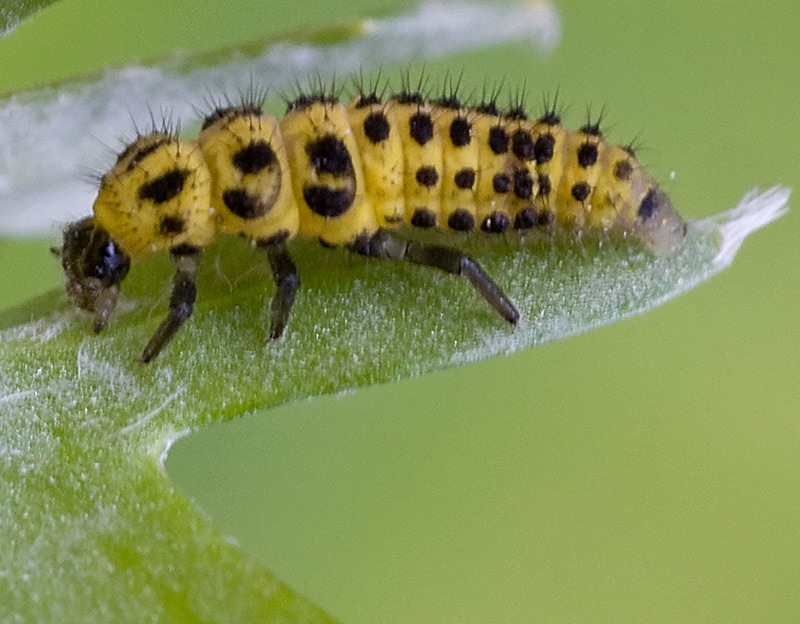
pixel 658 225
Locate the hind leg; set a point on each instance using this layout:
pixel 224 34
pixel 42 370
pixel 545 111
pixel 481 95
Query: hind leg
pixel 388 246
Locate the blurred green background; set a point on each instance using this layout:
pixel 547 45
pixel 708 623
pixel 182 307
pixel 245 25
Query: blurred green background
pixel 647 471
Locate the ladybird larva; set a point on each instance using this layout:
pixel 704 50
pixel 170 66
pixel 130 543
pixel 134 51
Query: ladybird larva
pixel 348 176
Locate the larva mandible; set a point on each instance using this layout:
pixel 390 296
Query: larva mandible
pixel 348 176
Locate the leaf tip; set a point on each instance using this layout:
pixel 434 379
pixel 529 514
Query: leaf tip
pixel 754 211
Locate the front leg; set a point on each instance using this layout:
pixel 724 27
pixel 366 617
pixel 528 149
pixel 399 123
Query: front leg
pixel 181 303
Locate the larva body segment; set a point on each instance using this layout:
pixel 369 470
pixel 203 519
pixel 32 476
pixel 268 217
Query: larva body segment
pixel 525 177
pixel 576 189
pixel 460 162
pixel 422 155
pixel 348 177
pixel 377 133
pixel 495 170
pixel 327 175
pixel 251 190
pixel 549 135
pixel 616 191
pixel 156 197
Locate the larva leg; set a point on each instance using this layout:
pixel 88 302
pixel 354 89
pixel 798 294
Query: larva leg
pixel 181 303
pixel 386 245
pixel 287 279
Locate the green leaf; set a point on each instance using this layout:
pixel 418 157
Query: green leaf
pixel 93 529
pixel 12 12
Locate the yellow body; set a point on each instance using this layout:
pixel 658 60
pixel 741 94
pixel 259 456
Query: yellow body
pixel 613 193
pixel 523 164
pixel 492 164
pixel 251 190
pixel 551 170
pixel 157 196
pixel 460 153
pixel 572 211
pixel 335 174
pixel 376 131
pixel 329 185
pixel 422 153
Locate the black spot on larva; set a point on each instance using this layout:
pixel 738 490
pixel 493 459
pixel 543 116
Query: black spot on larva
pixel 243 204
pixel 406 97
pixel 550 118
pixel 421 128
pixel 394 218
pixel 526 219
pixel 587 155
pixel 543 148
pixel 496 223
pixel 170 226
pixel 522 145
pixel 306 100
pixel 465 178
pixel 516 113
pixel 498 140
pixel 487 108
pixel 544 185
pixel 139 153
pixel 329 155
pixel 546 219
pixel 376 127
pixel 423 218
pixel 164 187
pixel 367 99
pixel 592 129
pixel 327 202
pixel 461 221
pixel 581 190
pixel 185 250
pixel 623 170
pixel 501 183
pixel 230 113
pixel 448 101
pixel 255 157
pixel 460 132
pixel 523 184
pixel 279 237
pixel 649 205
pixel 301 102
pixel 427 176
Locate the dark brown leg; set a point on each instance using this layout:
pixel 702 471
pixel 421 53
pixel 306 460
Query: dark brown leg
pixel 386 245
pixel 181 303
pixel 287 279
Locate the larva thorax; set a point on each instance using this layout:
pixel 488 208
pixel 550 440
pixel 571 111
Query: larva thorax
pixel 251 191
pixel 156 196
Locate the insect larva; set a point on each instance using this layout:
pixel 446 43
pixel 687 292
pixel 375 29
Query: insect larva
pixel 348 177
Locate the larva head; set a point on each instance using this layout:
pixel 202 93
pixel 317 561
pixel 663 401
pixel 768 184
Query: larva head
pixel 658 225
pixel 94 266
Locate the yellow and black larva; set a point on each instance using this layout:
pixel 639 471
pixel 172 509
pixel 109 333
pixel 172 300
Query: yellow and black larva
pixel 348 176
